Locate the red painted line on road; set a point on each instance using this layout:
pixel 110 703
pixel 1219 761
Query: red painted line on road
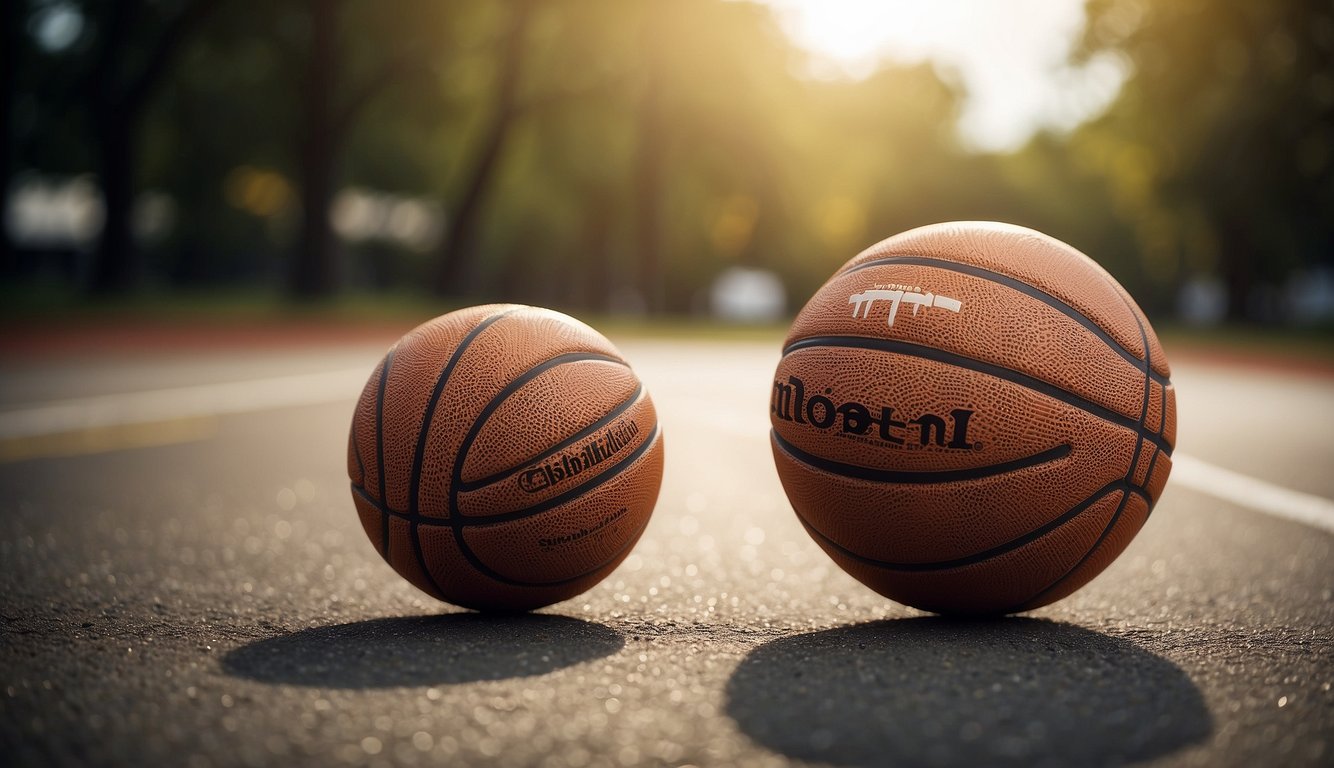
pixel 1252 360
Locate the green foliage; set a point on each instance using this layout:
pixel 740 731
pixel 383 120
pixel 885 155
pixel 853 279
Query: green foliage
pixel 679 133
pixel 1219 152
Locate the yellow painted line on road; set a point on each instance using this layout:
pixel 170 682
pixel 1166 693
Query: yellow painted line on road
pixel 107 439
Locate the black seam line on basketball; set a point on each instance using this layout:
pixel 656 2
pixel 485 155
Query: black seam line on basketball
pixel 487 571
pixel 388 511
pixel 424 520
pixel 1022 287
pixel 477 522
pixel 441 381
pixel 356 450
pixel 606 475
pixel 945 565
pixel 1162 415
pixel 456 473
pixel 414 483
pixel 961 361
pixel 1140 430
pixel 379 446
pixel 918 477
pixel 572 439
pixel 1143 434
pixel 1148 476
pixel 630 542
pixel 1107 529
pixel 456 478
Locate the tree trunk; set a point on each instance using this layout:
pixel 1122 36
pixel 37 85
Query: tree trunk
pixel 116 268
pixel 313 272
pixel 9 42
pixel 456 269
pixel 119 110
pixel 596 272
pixel 648 174
pixel 648 184
pixel 1234 261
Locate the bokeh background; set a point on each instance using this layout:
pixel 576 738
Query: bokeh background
pixel 650 157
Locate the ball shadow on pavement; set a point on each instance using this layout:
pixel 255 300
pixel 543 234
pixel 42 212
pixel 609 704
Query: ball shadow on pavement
pixel 423 650
pixel 932 691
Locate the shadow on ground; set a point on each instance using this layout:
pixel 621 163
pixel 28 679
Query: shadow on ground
pixel 932 691
pixel 423 650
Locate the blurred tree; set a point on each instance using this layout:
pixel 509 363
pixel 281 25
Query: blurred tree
pixel 219 142
pixel 651 125
pixel 612 154
pixel 312 267
pixel 455 270
pixel 1220 149
pixel 11 17
pixel 332 101
pixel 137 43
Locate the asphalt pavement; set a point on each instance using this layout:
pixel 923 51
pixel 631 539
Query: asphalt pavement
pixel 185 582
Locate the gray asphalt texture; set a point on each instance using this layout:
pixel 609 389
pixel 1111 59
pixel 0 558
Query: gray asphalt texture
pixel 215 602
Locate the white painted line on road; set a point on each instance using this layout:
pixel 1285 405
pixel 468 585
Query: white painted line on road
pixel 1188 471
pixel 1252 493
pixel 182 403
pixel 338 386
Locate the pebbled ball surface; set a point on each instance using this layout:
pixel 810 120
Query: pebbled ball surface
pixel 504 457
pixel 972 418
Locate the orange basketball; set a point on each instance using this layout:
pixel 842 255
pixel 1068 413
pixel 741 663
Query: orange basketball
pixel 504 457
pixel 972 418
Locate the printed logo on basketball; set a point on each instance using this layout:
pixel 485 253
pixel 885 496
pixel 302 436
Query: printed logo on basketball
pixel 853 419
pixel 573 536
pixel 579 459
pixel 897 295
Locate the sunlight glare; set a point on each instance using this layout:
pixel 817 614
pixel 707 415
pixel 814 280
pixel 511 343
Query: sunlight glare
pixel 1009 56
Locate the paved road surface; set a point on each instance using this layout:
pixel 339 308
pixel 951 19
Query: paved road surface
pixel 197 591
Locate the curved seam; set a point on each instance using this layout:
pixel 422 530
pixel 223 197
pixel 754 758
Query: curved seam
pixel 456 473
pixel 634 538
pixel 621 407
pixel 1162 413
pixel 356 450
pixel 1130 472
pixel 379 447
pixel 1031 291
pixel 1148 473
pixel 492 520
pixel 1007 547
pixel 484 569
pixel 414 489
pixel 961 361
pixel 907 477
pixel 555 501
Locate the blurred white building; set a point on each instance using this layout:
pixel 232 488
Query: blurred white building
pixel 741 295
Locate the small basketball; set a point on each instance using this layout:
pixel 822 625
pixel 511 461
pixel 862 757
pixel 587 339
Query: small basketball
pixel 972 418
pixel 504 457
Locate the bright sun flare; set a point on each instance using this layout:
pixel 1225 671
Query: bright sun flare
pixel 1010 56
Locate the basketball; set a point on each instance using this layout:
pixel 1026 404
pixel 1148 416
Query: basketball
pixel 504 457
pixel 972 418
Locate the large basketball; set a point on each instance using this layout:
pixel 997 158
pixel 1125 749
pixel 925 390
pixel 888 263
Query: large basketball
pixel 972 418
pixel 504 457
